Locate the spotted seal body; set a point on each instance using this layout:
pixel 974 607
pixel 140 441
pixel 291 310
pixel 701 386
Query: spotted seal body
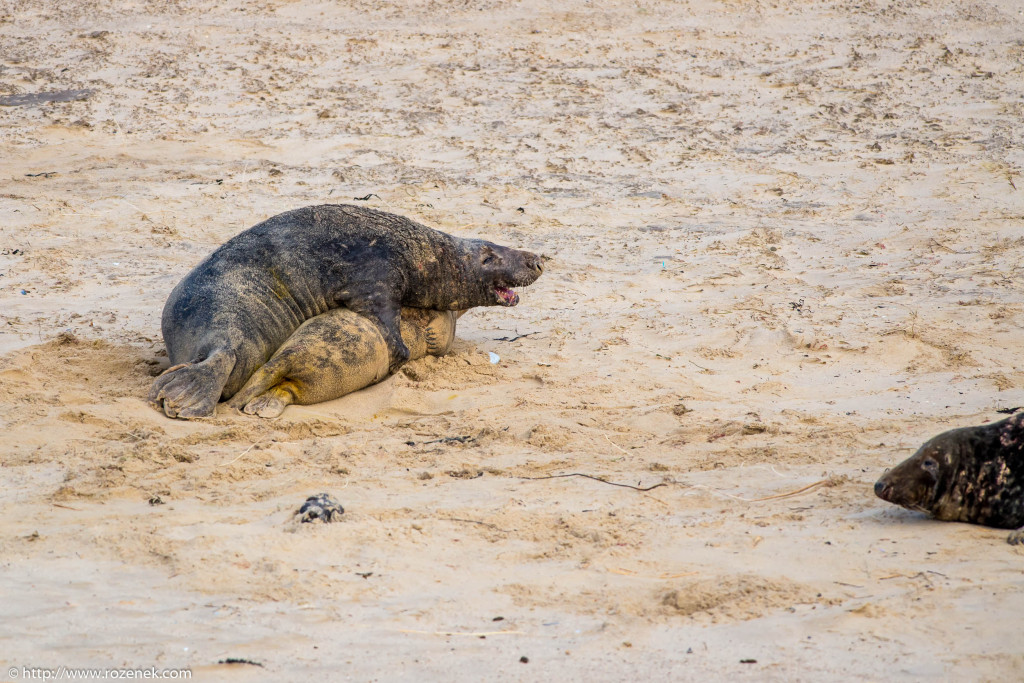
pixel 972 474
pixel 229 315
pixel 336 353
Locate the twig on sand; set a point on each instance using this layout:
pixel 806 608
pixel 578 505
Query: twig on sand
pixel 476 521
pixel 615 444
pixel 512 339
pixel 603 481
pixel 628 572
pixel 777 496
pixel 939 244
pixel 475 634
pixel 225 464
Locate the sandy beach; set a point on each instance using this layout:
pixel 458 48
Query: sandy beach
pixel 784 248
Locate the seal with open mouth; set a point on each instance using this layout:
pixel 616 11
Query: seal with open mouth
pixel 230 314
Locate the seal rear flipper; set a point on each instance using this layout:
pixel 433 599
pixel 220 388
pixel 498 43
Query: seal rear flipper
pixel 272 402
pixel 190 390
pixel 265 377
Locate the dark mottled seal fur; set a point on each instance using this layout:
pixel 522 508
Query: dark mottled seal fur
pixel 336 353
pixel 229 315
pixel 972 474
pixel 320 507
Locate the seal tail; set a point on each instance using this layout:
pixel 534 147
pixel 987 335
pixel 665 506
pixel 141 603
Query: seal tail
pixel 267 376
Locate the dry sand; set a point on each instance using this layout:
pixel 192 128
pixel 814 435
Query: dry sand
pixel 785 246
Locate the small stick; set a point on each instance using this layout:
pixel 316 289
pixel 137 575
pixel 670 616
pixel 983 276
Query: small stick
pixel 764 498
pixel 603 481
pixel 475 634
pixel 627 572
pixel 788 494
pixel 474 521
pixel 615 444
pixel 240 455
pixel 512 339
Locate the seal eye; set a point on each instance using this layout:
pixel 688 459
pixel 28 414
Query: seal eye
pixel 489 259
pixel 931 466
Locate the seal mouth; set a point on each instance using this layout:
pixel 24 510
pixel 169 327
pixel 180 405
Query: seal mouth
pixel 506 296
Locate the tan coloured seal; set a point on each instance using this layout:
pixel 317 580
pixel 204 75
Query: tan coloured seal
pixel 336 353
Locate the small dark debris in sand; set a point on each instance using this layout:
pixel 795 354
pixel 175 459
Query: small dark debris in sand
pixel 239 660
pixel 321 508
pixel 465 474
pixel 446 440
pixel 28 99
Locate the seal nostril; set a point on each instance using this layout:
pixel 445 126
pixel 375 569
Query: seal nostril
pixel 879 488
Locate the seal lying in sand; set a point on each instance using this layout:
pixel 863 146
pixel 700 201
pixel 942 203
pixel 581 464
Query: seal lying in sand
pixel 229 315
pixel 972 474
pixel 336 353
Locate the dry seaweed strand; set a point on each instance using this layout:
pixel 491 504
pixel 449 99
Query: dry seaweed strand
pixel 829 481
pixel 629 572
pixel 476 521
pixel 475 634
pixel 603 481
pixel 776 496
pixel 225 464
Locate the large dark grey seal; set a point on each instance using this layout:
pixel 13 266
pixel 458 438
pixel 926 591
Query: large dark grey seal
pixel 229 315
pixel 972 474
pixel 336 353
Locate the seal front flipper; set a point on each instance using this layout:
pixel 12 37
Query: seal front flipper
pixel 190 390
pixel 388 318
pixel 1016 537
pixel 428 332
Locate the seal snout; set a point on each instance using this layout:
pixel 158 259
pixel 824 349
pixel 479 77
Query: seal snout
pixel 882 489
pixel 535 263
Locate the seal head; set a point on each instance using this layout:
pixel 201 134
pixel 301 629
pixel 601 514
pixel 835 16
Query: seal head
pixel 972 474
